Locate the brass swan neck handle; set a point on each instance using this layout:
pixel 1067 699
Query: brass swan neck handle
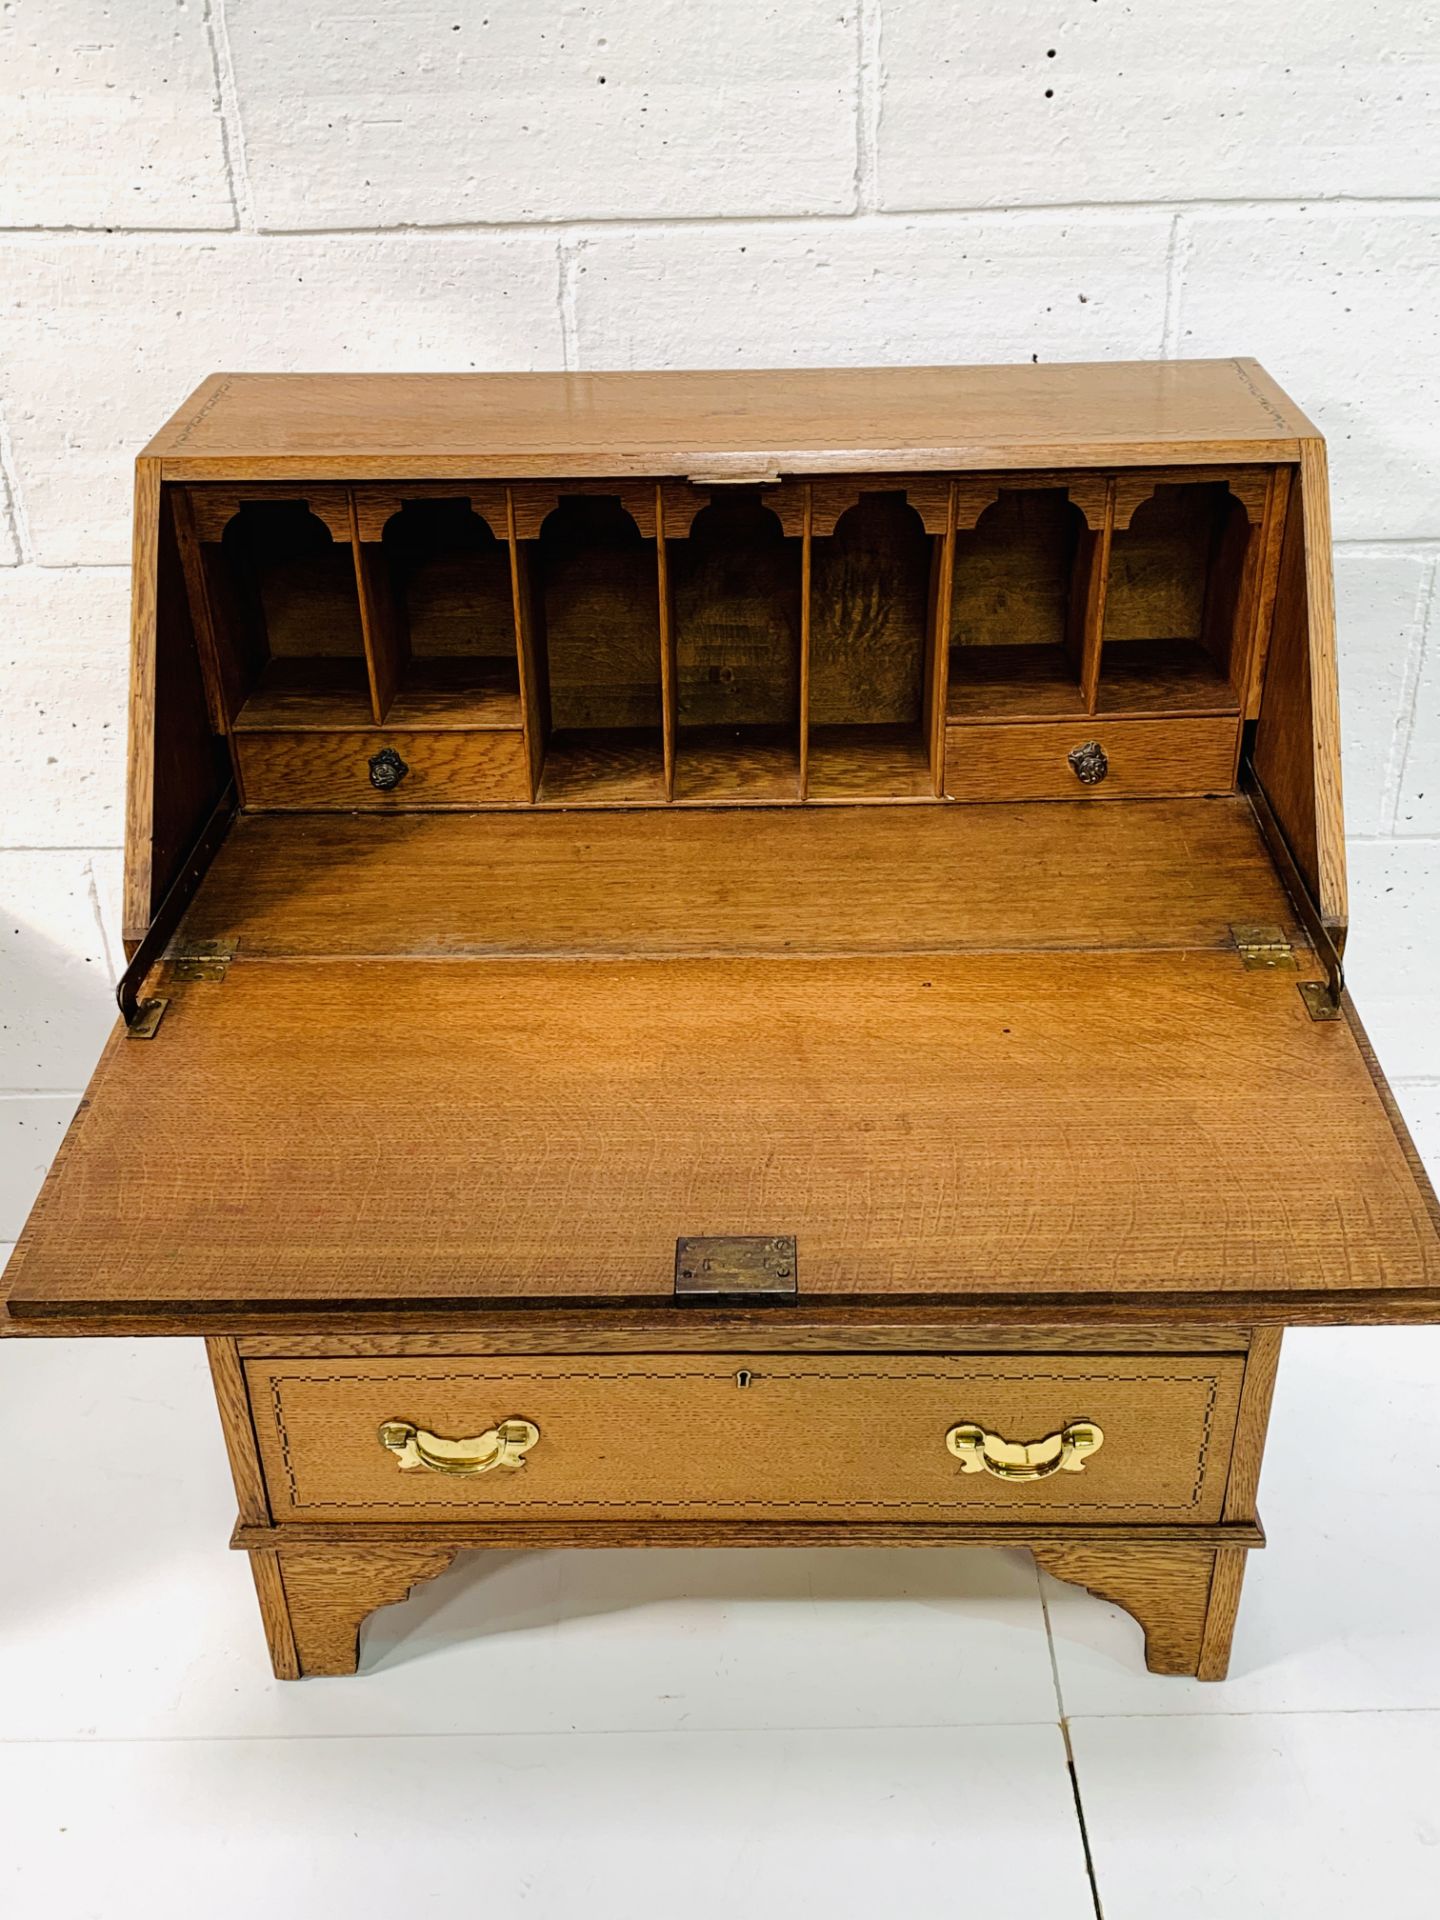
pixel 1063 1452
pixel 500 1447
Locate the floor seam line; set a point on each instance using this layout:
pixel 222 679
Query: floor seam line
pixel 509 1733
pixel 1080 1819
pixel 1064 1726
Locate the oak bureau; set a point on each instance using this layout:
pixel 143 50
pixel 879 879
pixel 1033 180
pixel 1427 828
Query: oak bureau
pixel 725 958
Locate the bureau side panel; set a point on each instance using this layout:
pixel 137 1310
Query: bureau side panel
pixel 1297 740
pixel 177 770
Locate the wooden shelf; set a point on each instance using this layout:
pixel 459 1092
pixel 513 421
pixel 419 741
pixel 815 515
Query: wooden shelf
pixel 869 763
pixel 737 763
pixel 457 691
pixel 1162 676
pixel 325 692
pixel 603 767
pixel 331 695
pixel 1012 683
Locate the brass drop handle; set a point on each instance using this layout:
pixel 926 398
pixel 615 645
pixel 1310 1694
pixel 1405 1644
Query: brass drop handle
pixel 1063 1452
pixel 387 769
pixel 503 1446
pixel 1091 763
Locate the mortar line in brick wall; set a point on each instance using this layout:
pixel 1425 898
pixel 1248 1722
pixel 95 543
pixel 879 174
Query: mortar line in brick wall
pixel 1421 545
pixel 15 518
pixel 1418 203
pixel 227 105
pixel 1397 759
pixel 1177 254
pixel 34 565
pixel 1428 639
pixel 114 960
pixel 869 103
pixel 567 265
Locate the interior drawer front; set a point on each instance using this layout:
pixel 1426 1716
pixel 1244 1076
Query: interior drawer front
pixel 761 1436
pixel 1140 757
pixel 309 769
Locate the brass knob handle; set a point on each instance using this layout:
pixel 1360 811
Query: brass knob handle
pixel 504 1446
pixel 1063 1452
pixel 1090 762
pixel 387 769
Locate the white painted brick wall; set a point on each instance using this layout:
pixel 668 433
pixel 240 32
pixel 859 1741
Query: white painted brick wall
pixel 873 289
pixel 1041 104
pixel 499 183
pixel 108 116
pixel 435 113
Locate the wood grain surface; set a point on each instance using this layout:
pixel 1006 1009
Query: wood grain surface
pixel 341 1135
pixel 447 768
pixel 1297 738
pixel 849 763
pixel 1256 1393
pixel 327 1596
pixel 521 1536
pixel 673 1436
pixel 274 1613
pixel 232 1398
pixel 1167 1590
pixel 1031 762
pixel 726 425
pixel 1163 873
pixel 756 1330
pixel 177 769
pixel 870 588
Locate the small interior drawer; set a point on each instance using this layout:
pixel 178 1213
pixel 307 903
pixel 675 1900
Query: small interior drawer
pixel 761 1436
pixel 1135 758
pixel 443 768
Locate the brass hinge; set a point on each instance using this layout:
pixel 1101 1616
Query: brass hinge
pixel 147 1018
pixel 1320 1001
pixel 1322 997
pixel 186 960
pixel 1267 947
pixel 1263 947
pixel 201 959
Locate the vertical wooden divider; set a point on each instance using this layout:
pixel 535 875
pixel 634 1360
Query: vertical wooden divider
pixel 529 646
pixel 1088 592
pixel 669 670
pixel 807 527
pixel 1272 529
pixel 218 669
pixel 937 687
pixel 1232 596
pixel 386 643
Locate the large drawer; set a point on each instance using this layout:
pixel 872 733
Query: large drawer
pixel 763 1436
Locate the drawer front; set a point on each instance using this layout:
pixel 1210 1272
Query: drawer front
pixel 838 1437
pixel 1141 757
pixel 444 769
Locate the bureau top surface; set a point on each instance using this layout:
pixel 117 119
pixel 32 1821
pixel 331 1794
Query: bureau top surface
pixel 736 423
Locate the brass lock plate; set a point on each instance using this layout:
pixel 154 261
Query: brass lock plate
pixel 758 1266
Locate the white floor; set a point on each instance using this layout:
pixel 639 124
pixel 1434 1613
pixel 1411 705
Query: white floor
pixel 706 1734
